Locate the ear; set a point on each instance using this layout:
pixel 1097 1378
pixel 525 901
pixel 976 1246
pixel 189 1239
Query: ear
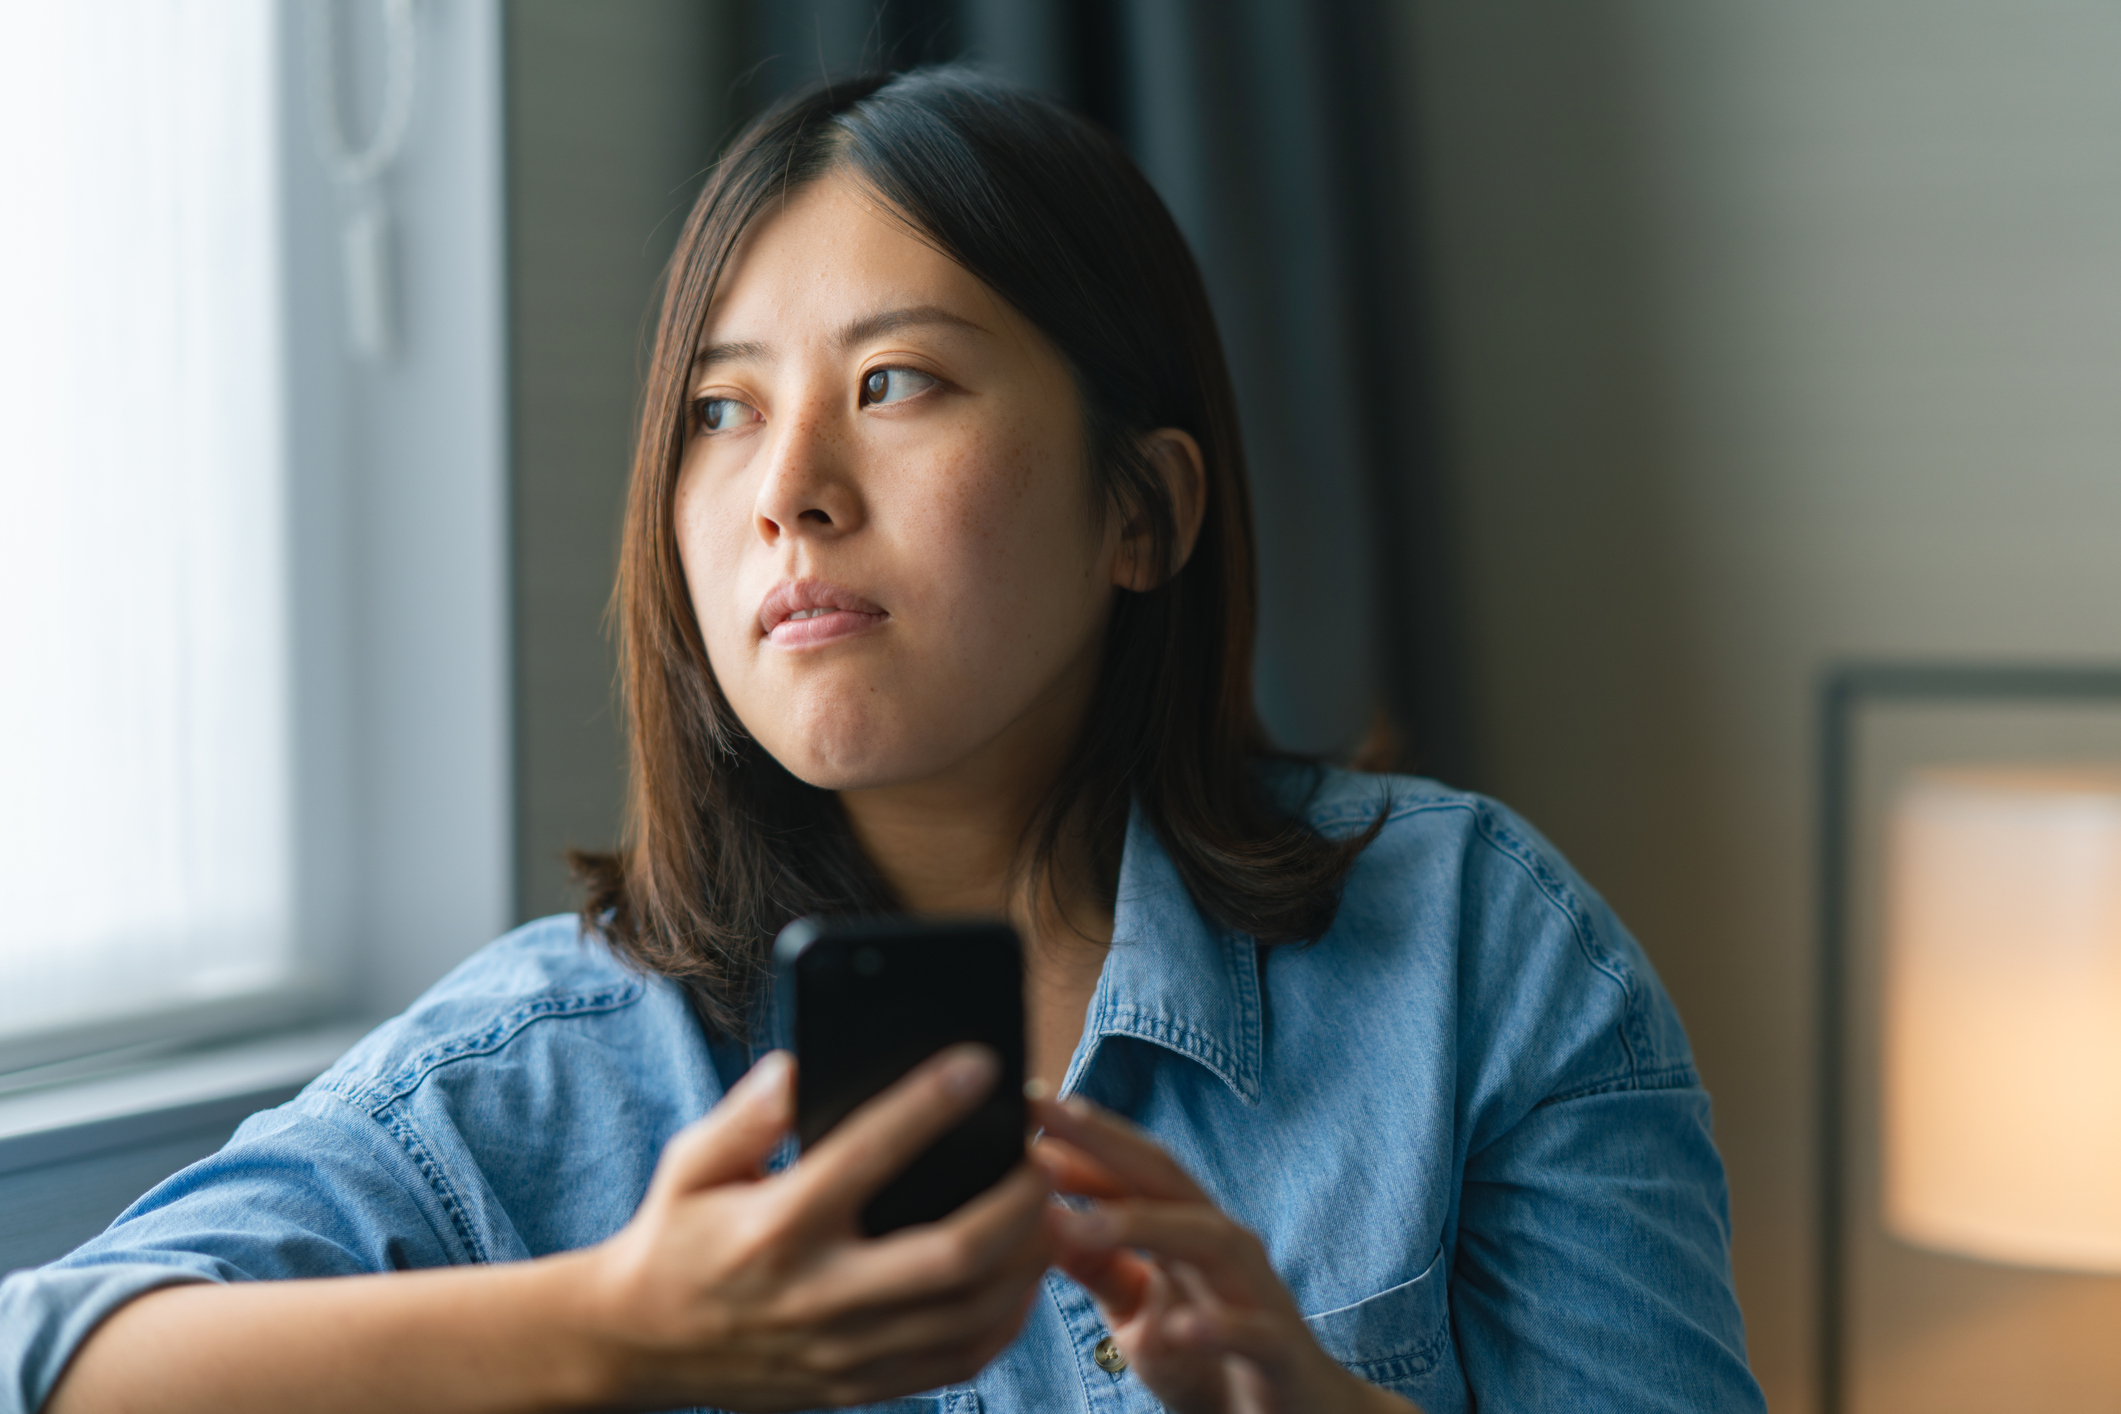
pixel 1177 459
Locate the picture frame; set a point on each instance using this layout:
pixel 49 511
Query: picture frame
pixel 1901 1326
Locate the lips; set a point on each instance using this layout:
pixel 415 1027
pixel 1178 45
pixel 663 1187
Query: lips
pixel 799 612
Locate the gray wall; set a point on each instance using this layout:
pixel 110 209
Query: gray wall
pixel 47 1210
pixel 1774 334
pixel 59 1188
pixel 614 112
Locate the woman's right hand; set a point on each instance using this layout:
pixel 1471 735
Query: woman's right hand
pixel 746 1291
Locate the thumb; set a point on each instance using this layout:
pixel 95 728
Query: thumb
pixel 735 1137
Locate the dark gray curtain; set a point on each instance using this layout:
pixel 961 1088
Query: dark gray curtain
pixel 1276 132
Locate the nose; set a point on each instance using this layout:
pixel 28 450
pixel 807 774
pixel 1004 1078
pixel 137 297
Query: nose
pixel 807 489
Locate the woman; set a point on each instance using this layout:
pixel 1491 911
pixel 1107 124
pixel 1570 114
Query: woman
pixel 937 596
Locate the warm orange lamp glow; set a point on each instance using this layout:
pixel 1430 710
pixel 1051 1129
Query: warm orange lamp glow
pixel 2002 1040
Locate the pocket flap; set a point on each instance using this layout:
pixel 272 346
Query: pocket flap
pixel 942 1401
pixel 1399 1333
pixel 963 1400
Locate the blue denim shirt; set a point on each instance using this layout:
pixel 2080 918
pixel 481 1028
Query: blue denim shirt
pixel 1465 1123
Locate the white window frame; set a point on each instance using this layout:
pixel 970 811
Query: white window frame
pixel 398 593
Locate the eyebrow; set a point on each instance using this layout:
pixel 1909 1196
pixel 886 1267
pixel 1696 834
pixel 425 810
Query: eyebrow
pixel 862 330
pixel 891 321
pixel 746 351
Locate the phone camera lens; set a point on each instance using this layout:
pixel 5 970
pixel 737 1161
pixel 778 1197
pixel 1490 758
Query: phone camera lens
pixel 868 962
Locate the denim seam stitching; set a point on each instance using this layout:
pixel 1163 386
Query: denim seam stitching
pixel 378 1095
pixel 1242 957
pixel 1513 846
pixel 1671 1077
pixel 1407 1363
pixel 1632 1029
pixel 402 1129
pixel 1423 1356
pixel 1070 1323
pixel 1176 1036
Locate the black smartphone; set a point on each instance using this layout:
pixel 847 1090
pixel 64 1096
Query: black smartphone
pixel 874 997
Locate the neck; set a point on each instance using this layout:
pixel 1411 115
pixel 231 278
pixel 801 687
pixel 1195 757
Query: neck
pixel 956 843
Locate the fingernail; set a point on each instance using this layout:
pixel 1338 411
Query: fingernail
pixel 1036 1090
pixel 970 1072
pixel 770 1069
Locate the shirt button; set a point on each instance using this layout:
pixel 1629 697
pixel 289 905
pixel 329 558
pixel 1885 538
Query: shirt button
pixel 1108 1356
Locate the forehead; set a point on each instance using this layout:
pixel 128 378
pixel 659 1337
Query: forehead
pixel 834 251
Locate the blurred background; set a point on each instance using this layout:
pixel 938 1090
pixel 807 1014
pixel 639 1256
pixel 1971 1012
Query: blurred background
pixel 1610 371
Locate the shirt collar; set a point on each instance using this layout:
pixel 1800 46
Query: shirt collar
pixel 1172 979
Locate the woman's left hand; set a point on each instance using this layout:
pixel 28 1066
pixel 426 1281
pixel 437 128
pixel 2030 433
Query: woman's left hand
pixel 1190 1296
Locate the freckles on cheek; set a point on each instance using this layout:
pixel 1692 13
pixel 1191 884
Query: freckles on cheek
pixel 974 540
pixel 990 511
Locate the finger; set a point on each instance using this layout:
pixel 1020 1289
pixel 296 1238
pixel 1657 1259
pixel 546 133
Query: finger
pixel 912 1330
pixel 1206 1320
pixel 1132 1156
pixel 735 1137
pixel 889 1132
pixel 1192 1284
pixel 1120 1282
pixel 1070 1170
pixel 1011 1221
pixel 1184 1377
pixel 1160 1299
pixel 904 1374
pixel 1265 1339
pixel 1231 1258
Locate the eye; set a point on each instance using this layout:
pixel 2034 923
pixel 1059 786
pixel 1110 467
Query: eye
pixel 893 385
pixel 721 414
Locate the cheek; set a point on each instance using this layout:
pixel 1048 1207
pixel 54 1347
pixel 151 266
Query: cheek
pixel 709 524
pixel 1012 538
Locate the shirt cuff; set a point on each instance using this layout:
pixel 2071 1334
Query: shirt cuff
pixel 46 1312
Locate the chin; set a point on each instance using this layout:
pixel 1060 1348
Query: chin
pixel 824 772
pixel 852 738
pixel 838 751
pixel 856 759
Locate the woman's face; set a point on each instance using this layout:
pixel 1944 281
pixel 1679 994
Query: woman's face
pixel 883 507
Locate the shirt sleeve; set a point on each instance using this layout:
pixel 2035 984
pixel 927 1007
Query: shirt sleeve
pixel 315 1188
pixel 1591 1264
pixel 1591 1271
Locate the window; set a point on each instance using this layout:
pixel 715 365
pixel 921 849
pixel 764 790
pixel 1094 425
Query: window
pixel 144 843
pixel 254 727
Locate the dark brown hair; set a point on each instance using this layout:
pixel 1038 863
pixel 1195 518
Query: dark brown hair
pixel 724 845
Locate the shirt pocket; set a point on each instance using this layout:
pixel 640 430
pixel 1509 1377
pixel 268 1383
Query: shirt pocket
pixel 946 1401
pixel 1393 1337
pixel 963 1400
